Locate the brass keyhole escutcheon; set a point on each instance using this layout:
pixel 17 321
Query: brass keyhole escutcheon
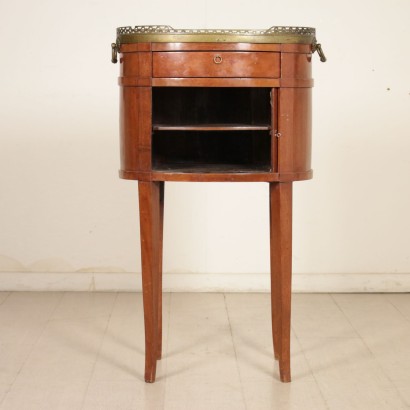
pixel 217 59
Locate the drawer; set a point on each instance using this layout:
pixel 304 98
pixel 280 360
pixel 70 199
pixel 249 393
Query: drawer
pixel 216 64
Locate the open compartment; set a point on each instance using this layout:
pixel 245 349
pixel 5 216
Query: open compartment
pixel 211 129
pixel 216 151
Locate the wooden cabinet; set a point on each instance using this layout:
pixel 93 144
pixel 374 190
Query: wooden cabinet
pixel 215 106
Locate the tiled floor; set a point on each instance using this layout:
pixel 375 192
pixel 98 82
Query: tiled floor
pixel 86 351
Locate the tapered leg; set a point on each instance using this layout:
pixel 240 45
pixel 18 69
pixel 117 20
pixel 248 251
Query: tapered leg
pixel 149 202
pixel 274 299
pixel 281 272
pixel 159 287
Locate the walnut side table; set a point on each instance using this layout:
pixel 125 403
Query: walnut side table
pixel 215 105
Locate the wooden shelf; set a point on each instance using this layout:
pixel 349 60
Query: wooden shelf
pixel 211 127
pixel 211 168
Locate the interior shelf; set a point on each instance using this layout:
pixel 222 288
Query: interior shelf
pixel 190 167
pixel 211 127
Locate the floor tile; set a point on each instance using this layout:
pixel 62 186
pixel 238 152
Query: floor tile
pixel 318 315
pixel 405 394
pixel 20 331
pixel 122 354
pixel 362 398
pixel 199 324
pixel 250 318
pixel 130 304
pixel 3 296
pixel 4 388
pixel 23 316
pixel 201 367
pixel 373 315
pixel 35 395
pixel 348 375
pixel 85 305
pixel 265 395
pixel 67 350
pixel 30 305
pixel 250 321
pixel 401 301
pixel 203 382
pixel 12 358
pixel 124 395
pixel 385 331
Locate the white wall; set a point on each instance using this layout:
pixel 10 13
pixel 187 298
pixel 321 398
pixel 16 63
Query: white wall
pixel 63 208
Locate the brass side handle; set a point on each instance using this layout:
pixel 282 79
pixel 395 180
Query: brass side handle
pixel 318 47
pixel 114 53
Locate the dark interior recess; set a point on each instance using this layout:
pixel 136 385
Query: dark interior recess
pixel 227 150
pixel 215 151
pixel 211 105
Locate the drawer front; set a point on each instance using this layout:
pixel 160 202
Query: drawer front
pixel 216 64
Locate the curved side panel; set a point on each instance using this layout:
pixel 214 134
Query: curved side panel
pixel 295 117
pixel 295 128
pixel 136 64
pixel 135 128
pixel 296 65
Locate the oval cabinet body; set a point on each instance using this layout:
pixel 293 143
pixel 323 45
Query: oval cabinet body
pixel 215 105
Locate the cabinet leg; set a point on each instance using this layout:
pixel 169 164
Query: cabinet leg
pixel 274 299
pixel 160 252
pixel 280 196
pixel 149 203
